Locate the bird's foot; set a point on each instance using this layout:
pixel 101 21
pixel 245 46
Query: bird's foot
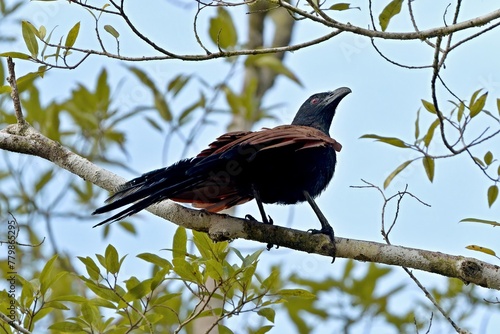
pixel 270 221
pixel 328 231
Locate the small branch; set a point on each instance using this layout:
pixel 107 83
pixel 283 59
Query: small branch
pixel 15 93
pixel 189 57
pixel 385 235
pixel 13 324
pixel 421 35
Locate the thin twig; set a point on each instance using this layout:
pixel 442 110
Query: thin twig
pixel 13 324
pixel 15 93
pixel 385 235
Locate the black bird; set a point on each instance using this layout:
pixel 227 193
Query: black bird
pixel 285 165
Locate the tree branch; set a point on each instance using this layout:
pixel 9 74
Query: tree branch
pixel 223 227
pixel 11 79
pixel 13 324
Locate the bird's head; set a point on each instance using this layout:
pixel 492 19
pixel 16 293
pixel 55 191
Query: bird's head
pixel 319 109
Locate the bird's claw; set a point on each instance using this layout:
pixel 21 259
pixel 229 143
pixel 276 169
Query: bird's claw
pixel 251 218
pixel 267 221
pixel 328 231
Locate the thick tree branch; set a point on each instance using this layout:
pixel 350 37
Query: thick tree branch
pixel 223 227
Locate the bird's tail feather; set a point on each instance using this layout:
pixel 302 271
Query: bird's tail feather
pixel 148 189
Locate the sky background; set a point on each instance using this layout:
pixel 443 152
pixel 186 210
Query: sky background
pixel 384 101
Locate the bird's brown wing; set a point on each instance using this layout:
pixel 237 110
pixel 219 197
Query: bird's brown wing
pixel 300 137
pixel 223 140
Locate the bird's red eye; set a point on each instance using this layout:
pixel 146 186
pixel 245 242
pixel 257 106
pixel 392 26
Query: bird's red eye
pixel 315 101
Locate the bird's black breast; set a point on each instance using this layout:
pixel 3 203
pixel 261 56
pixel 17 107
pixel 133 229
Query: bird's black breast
pixel 281 175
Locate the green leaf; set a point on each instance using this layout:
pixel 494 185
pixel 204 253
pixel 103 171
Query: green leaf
pixel 481 221
pixel 138 291
pixel 144 78
pixel 72 35
pixel 29 38
pixel 391 10
pixel 222 30
pixel 492 194
pixel 33 29
pixel 25 81
pixel 342 6
pixel 479 161
pixel 5 89
pixel 478 105
pixel 2 73
pixel 178 83
pixel 179 244
pixel 159 277
pixel 388 140
pixel 203 244
pixel 112 31
pixel 223 329
pixel 43 180
pixel 430 132
pixel 417 125
pixel 296 293
pixel 264 329
pixel 391 176
pixel 429 106
pixel 481 249
pixel 55 305
pixel 488 158
pixel 103 292
pixel 92 268
pixel 111 256
pixel 166 298
pixel 155 259
pixel 474 96
pixel 429 167
pixel 498 102
pixel 128 227
pixel 42 32
pixel 18 55
pixel 277 66
pixel 267 313
pixel 45 274
pixel 461 109
pixel 90 312
pixel 67 327
pixel 162 106
pixel 214 269
pixel 271 281
pixel 186 271
pixel 71 298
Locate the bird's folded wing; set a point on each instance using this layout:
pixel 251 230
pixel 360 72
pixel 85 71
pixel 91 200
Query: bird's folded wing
pixel 221 141
pixel 301 137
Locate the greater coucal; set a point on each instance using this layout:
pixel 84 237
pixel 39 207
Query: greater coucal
pixel 285 165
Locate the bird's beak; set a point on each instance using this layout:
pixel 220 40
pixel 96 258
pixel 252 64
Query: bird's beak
pixel 336 96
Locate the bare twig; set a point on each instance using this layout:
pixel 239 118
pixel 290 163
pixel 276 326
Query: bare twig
pixel 13 324
pixel 385 234
pixel 15 93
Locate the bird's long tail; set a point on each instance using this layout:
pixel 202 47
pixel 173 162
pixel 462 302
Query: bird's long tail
pixel 150 188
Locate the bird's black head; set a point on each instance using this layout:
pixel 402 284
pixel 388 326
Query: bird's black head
pixel 319 109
